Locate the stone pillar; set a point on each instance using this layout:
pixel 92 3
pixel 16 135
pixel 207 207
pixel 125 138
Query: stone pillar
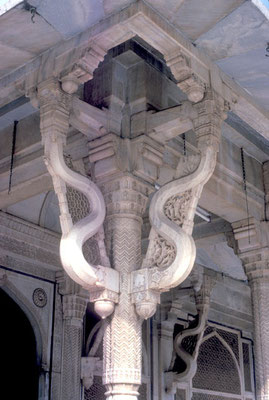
pixel 126 202
pixel 253 249
pixel 74 307
pixel 126 198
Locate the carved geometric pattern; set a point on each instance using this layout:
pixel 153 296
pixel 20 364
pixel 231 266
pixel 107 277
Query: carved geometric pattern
pixel 216 369
pixel 247 370
pixel 78 204
pixel 232 340
pixel 260 301
pixel 79 208
pixel 91 251
pixel 96 391
pixel 124 362
pixel 71 362
pixel 176 207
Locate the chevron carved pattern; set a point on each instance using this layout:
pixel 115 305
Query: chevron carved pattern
pixel 260 301
pixel 124 332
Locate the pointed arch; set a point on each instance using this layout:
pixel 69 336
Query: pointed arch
pixel 217 363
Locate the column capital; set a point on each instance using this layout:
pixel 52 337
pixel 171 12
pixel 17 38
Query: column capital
pixel 74 307
pixel 252 238
pixel 113 156
pixel 212 111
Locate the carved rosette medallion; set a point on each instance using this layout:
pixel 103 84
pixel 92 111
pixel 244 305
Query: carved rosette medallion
pixel 40 298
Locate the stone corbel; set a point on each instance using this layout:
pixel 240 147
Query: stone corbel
pixel 187 80
pixel 54 124
pixel 83 70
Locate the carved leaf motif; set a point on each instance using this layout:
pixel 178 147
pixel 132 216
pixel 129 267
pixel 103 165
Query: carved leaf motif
pixel 162 253
pixel 177 206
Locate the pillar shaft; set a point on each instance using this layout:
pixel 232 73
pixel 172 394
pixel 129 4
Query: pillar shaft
pixel 74 307
pixel 260 301
pixel 122 341
pixel 253 250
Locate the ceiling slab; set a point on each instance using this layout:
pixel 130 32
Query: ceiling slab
pixel 243 30
pixel 251 71
pixel 70 17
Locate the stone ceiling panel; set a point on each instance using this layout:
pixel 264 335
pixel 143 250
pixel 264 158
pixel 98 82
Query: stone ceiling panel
pixel 250 70
pixel 195 17
pixel 21 39
pixel 245 29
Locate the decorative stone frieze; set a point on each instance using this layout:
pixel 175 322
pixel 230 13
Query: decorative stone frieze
pixel 252 239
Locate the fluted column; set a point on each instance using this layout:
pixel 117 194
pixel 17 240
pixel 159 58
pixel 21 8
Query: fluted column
pixel 253 250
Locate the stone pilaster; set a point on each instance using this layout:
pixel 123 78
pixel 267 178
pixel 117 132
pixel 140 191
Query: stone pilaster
pixel 253 249
pixel 74 307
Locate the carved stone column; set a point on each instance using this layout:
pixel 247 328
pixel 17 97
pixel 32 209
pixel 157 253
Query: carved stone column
pixel 253 249
pixel 74 307
pixel 126 202
pixel 126 197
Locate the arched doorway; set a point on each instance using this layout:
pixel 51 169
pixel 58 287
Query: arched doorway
pixel 19 369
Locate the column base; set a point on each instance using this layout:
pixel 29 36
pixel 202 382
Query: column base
pixel 122 392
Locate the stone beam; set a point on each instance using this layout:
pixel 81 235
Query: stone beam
pixel 77 58
pixel 164 125
pixel 30 176
pixel 92 121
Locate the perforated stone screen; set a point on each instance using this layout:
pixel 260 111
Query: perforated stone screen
pixel 216 369
pixel 224 366
pixel 96 391
pixel 247 369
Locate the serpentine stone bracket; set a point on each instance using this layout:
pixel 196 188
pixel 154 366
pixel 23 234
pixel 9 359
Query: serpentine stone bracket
pixel 54 124
pixel 171 251
pixel 187 342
